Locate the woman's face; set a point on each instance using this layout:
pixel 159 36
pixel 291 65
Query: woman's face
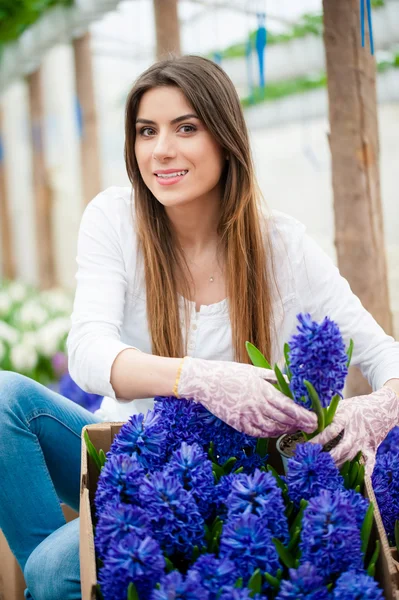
pixel 179 160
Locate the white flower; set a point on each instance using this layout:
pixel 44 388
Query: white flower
pixel 32 314
pixel 8 333
pixel 17 291
pixel 23 357
pixel 3 350
pixel 57 301
pixel 30 338
pixel 5 304
pixel 50 336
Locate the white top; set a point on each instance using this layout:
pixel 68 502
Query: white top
pixel 110 304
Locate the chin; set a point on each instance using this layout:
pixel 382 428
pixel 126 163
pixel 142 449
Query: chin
pixel 171 200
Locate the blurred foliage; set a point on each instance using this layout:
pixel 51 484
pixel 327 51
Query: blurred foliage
pixel 280 89
pixel 17 15
pixel 308 24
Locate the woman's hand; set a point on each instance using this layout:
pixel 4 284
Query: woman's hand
pixel 243 396
pixel 366 421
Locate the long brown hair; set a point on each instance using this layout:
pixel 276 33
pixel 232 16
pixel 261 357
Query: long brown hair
pixel 243 241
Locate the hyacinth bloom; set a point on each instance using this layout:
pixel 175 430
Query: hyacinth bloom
pixel 357 586
pixel 174 587
pixel 182 421
pixel 190 464
pixel 317 354
pixel 175 519
pixel 119 481
pixel 143 436
pixel 187 421
pixel 213 573
pixel 385 480
pixel 391 443
pixel 133 559
pixel 260 495
pixel 304 583
pixel 116 523
pixel 311 470
pixel 330 538
pixel 233 593
pixel 247 541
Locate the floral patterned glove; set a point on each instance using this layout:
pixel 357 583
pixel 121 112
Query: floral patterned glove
pixel 366 421
pixel 243 396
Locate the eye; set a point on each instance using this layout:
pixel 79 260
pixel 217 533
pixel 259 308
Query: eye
pixel 188 128
pixel 146 131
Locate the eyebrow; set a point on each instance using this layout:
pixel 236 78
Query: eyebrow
pixel 177 120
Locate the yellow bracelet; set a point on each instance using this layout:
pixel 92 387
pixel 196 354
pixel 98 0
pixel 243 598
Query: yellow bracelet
pixel 175 392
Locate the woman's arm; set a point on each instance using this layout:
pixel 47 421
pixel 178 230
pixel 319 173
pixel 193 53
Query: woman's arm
pixel 138 375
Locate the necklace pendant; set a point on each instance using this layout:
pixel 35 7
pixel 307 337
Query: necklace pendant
pixel 211 279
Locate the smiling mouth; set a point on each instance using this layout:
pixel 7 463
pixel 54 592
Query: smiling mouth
pixel 171 175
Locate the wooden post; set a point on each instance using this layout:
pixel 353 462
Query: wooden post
pixel 8 270
pixel 167 28
pixel 41 188
pixel 354 144
pixel 89 143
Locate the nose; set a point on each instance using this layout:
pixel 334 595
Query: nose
pixel 164 148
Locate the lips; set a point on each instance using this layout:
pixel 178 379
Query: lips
pixel 170 176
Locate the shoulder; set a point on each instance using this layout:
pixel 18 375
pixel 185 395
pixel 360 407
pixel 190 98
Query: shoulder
pixel 113 202
pixel 285 234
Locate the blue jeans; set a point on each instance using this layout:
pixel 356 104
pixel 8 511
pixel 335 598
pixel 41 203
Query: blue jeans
pixel 40 448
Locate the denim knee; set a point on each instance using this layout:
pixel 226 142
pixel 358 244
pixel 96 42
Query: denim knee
pixel 13 388
pixel 52 571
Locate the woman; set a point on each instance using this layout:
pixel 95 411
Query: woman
pixel 187 265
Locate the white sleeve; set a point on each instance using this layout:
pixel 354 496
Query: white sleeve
pixel 94 339
pixel 324 292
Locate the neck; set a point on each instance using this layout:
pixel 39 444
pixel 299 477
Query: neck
pixel 196 222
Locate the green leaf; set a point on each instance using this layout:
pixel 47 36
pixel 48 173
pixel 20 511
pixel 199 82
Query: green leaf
pixel 255 583
pixel 229 464
pixel 345 468
pixel 349 353
pixel 332 409
pixel 239 470
pixel 239 583
pixel 92 451
pixel 316 404
pixel 99 592
pixel 132 592
pixel 284 387
pixel 195 554
pixel 285 556
pixel 366 527
pixel 397 535
pixel 214 548
pixel 102 457
pixel 211 454
pixel 293 543
pixel 373 560
pixel 281 484
pixel 262 446
pixel 168 564
pixel 217 471
pixel 256 356
pixel 360 478
pixel 353 475
pixel 297 523
pixel 273 581
pixel 287 360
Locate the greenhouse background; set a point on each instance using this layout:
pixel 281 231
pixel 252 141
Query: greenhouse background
pixel 288 119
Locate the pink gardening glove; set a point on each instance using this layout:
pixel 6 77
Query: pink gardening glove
pixel 242 396
pixel 366 421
